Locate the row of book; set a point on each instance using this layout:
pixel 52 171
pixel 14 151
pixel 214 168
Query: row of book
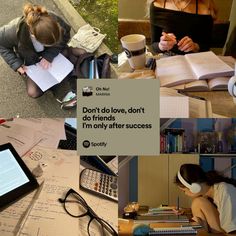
pixel 172 140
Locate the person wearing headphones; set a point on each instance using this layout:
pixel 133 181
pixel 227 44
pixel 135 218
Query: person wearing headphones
pixel 214 197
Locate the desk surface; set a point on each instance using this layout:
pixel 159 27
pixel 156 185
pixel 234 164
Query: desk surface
pixel 222 102
pixel 126 228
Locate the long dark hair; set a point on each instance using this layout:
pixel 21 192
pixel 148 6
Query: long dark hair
pixel 193 173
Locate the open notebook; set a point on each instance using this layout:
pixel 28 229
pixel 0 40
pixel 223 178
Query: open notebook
pixel 46 78
pixel 191 67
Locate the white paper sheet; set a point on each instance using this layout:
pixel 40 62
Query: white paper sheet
pixel 47 216
pixel 172 107
pixel 50 130
pixel 21 137
pixel 58 70
pixel 106 209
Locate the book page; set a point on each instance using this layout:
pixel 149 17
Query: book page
pixel 61 173
pixel 219 83
pixel 169 92
pixel 172 71
pixel 60 68
pixel 178 87
pixel 45 79
pixel 199 85
pixel 41 77
pixel 47 216
pixel 207 65
pixel 172 107
pixel 104 208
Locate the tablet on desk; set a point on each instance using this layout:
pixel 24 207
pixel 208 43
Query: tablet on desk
pixel 16 180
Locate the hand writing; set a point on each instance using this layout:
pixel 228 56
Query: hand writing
pixel 186 44
pixel 167 41
pixel 44 63
pixel 178 212
pixel 22 70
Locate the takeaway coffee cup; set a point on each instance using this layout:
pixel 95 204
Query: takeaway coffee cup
pixel 134 46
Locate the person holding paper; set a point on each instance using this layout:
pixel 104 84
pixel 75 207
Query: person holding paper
pixel 181 26
pixel 36 37
pixel 214 201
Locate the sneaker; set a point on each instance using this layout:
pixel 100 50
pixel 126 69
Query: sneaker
pixel 69 105
pixel 69 96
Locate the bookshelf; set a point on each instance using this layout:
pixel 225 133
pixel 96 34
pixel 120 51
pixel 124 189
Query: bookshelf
pixel 172 140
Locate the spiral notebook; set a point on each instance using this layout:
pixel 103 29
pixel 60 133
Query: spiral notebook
pixel 173 231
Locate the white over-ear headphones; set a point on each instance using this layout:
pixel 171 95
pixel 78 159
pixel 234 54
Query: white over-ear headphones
pixel 194 187
pixel 232 84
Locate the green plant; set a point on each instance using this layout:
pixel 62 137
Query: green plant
pixel 102 14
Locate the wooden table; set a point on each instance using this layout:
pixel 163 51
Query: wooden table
pixel 222 103
pixel 126 228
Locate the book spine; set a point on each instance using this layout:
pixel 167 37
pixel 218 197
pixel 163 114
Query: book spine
pixel 180 137
pixel 164 143
pixel 162 150
pixel 176 143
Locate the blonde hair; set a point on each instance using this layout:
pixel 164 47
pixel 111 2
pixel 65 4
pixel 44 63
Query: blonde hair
pixel 45 29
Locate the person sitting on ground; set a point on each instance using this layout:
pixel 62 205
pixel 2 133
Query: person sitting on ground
pixel 181 26
pixel 214 201
pixel 37 36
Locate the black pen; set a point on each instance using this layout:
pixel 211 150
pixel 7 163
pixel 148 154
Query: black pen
pixel 177 203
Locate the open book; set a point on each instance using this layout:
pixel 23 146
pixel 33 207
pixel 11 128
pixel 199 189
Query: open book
pixel 58 70
pixel 191 67
pixel 216 84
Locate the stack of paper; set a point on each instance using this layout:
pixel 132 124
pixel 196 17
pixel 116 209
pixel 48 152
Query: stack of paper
pixel 24 134
pixel 47 215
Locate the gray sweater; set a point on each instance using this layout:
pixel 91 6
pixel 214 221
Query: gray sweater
pixel 16 47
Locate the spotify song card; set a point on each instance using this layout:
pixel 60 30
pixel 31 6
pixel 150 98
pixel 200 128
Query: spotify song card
pixel 118 117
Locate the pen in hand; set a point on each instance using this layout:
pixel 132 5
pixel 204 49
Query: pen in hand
pixel 169 36
pixel 177 203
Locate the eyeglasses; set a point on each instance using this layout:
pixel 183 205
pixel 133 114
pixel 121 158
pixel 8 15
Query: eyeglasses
pixel 71 202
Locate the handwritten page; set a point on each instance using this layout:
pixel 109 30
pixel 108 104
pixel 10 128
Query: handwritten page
pixel 47 217
pixel 208 65
pixel 172 107
pixel 113 165
pixel 21 137
pixel 50 130
pixel 58 70
pixel 173 71
pixel 104 208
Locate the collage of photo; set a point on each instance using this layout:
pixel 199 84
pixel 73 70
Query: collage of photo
pixel 185 184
